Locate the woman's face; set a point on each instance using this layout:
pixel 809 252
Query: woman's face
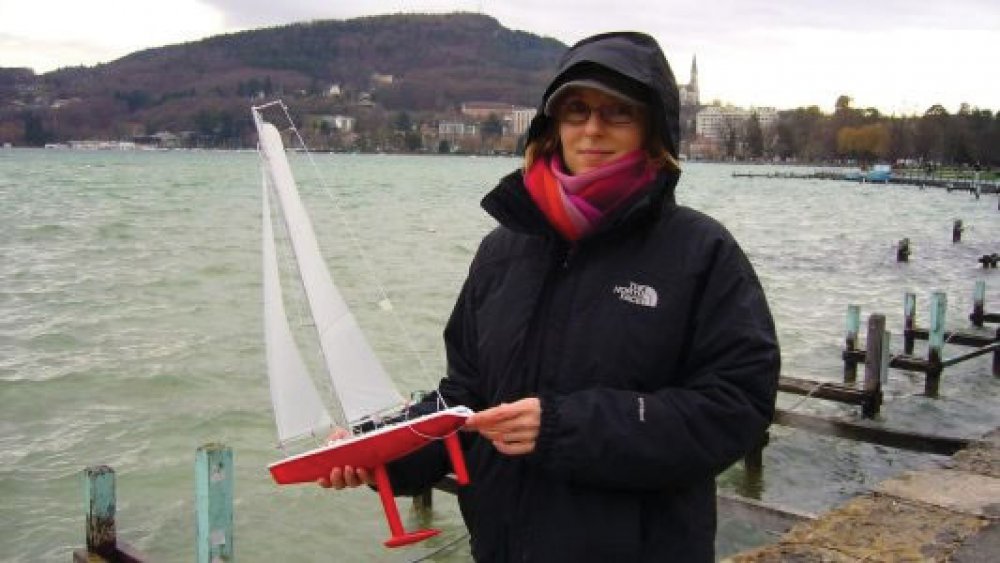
pixel 596 128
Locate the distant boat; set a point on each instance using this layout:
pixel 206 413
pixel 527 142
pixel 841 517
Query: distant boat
pixel 878 173
pixel 361 386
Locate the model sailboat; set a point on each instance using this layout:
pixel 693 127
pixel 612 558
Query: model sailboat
pixel 360 384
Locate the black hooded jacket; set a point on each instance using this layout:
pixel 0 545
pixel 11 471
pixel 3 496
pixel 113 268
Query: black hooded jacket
pixel 652 350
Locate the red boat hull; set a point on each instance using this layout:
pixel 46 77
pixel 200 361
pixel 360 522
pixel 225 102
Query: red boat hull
pixel 370 450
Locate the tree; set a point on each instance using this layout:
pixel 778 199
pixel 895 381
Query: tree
pixel 931 136
pixel 866 143
pixel 413 141
pixel 491 130
pixel 755 137
pixel 402 122
pixel 34 130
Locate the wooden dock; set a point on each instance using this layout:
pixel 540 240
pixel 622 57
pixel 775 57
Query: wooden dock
pixel 948 514
pixel 921 181
pixel 937 514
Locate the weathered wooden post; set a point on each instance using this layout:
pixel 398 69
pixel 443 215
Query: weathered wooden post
pixel 978 304
pixel 103 545
pixel 214 503
pixel 424 502
pixel 851 343
pixel 753 464
pixel 903 250
pixel 875 344
pixel 909 321
pixel 99 495
pixel 956 231
pixel 935 343
pixel 996 357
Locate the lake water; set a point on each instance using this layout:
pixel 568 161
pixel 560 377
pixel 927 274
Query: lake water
pixel 130 331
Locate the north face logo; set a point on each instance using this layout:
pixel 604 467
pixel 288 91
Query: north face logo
pixel 638 294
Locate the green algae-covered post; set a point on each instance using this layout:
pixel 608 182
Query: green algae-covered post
pixel 978 304
pixel 909 321
pixel 214 503
pixel 935 343
pixel 903 250
pixel 103 545
pixel 851 342
pixel 99 495
pixel 875 347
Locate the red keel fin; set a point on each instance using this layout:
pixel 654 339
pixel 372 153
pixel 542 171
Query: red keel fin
pixel 454 447
pixel 398 536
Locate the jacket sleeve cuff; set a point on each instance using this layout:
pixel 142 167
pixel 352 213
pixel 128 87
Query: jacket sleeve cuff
pixel 547 429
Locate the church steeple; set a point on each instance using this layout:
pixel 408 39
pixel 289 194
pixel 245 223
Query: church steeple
pixel 693 85
pixel 689 92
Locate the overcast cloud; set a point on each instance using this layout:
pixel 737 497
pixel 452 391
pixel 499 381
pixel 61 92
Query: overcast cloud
pixel 899 56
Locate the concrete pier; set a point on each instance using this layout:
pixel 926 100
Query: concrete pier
pixel 949 513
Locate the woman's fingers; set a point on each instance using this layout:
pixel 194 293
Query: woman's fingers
pixel 338 434
pixel 526 412
pixel 511 427
pixel 345 477
pixel 514 448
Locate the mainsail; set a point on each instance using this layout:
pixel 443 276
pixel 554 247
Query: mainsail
pixel 361 385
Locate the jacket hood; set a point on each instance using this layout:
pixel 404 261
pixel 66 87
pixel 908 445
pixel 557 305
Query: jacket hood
pixel 633 55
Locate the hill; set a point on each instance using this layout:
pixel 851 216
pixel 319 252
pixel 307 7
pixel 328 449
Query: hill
pixel 367 68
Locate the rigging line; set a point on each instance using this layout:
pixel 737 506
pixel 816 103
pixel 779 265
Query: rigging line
pixel 808 396
pixel 384 302
pixel 287 262
pixel 441 549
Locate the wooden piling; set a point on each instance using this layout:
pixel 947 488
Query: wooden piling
pixel 214 503
pixel 875 344
pixel 424 501
pixel 851 343
pixel 903 250
pixel 935 343
pixel 99 494
pixel 909 321
pixel 753 462
pixel 956 231
pixel 996 358
pixel 978 304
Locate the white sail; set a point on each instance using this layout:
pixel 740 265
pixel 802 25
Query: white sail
pixel 361 384
pixel 298 409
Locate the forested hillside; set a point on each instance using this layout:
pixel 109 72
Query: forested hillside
pixel 413 63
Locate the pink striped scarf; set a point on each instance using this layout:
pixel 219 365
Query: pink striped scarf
pixel 576 205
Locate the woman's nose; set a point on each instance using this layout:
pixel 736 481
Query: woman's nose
pixel 594 123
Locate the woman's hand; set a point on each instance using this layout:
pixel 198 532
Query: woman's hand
pixel 512 427
pixel 347 476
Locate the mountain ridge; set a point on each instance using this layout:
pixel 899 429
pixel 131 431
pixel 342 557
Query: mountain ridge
pixel 409 62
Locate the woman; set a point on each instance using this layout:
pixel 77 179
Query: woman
pixel 617 347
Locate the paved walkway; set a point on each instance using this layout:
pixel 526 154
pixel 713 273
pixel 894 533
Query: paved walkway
pixel 942 514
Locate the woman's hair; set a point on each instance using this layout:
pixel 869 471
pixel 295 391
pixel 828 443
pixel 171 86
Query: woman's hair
pixel 547 144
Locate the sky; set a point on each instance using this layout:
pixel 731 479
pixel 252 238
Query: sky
pixel 898 56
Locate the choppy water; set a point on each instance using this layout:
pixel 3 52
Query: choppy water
pixel 130 330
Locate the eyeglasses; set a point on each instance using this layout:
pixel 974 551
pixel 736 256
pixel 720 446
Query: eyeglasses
pixel 577 112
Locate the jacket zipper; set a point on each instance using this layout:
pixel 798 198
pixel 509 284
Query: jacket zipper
pixel 571 250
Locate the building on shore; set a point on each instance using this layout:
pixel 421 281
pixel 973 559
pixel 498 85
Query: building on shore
pixel 721 130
